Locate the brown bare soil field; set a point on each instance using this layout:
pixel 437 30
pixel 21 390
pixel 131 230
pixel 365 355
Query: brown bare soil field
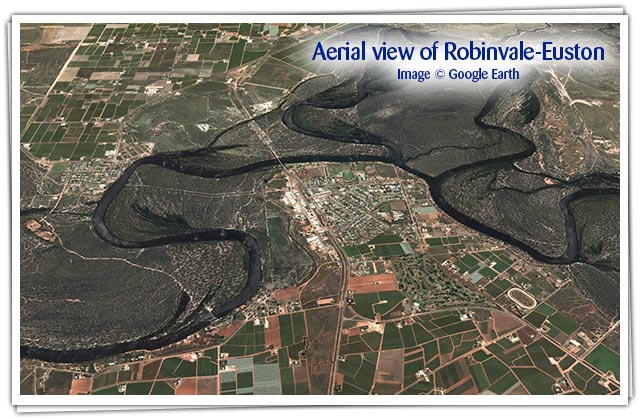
pixel 80 386
pixel 68 74
pixel 286 295
pixel 105 75
pixel 325 301
pixel 187 386
pixel 300 374
pixel 59 34
pixel 354 331
pixel 503 322
pixel 272 334
pixel 373 283
pixel 520 390
pixel 228 331
pixel 390 369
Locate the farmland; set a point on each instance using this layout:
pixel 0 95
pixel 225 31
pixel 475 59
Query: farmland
pixel 454 352
pixel 116 68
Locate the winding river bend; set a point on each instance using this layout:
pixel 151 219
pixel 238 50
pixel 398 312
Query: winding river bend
pixel 197 320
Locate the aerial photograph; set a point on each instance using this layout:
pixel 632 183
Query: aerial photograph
pixel 215 209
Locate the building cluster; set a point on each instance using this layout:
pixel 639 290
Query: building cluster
pixel 91 176
pixel 361 208
pixel 306 212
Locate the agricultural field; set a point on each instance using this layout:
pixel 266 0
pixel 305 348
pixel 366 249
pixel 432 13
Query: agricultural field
pixel 460 352
pixel 268 358
pixel 383 246
pixel 93 80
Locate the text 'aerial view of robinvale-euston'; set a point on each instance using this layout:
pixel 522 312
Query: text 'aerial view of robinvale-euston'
pixel 205 209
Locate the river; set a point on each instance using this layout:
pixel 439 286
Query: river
pixel 171 161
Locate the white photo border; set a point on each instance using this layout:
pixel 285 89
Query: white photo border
pixel 320 400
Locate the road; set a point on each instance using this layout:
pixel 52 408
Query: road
pixel 344 280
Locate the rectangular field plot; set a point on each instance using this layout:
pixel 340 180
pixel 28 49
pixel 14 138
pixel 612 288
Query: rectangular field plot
pixel 249 339
pixel 377 303
pixel 605 360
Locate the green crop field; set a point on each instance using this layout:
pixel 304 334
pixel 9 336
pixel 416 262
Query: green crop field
pixel 564 323
pixel 168 368
pixel 111 391
pixel 391 338
pixel 605 360
pixel 536 381
pixel 139 388
pixel 385 239
pixel 162 388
